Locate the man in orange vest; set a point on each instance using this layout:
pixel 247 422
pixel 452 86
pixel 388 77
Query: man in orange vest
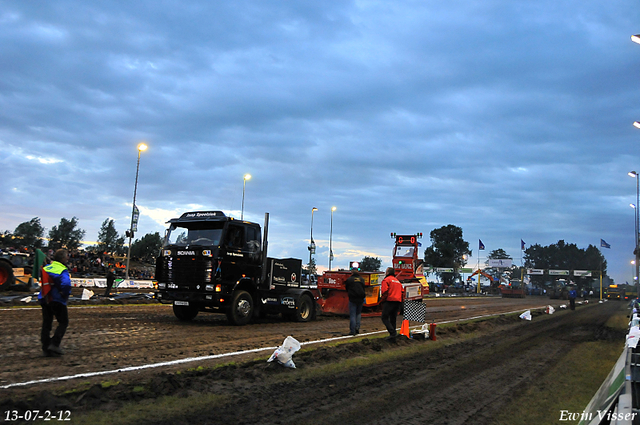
pixel 391 299
pixel 53 297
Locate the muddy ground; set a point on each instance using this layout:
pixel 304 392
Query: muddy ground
pixel 461 382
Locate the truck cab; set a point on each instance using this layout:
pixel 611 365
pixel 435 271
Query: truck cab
pixel 211 262
pixel 407 264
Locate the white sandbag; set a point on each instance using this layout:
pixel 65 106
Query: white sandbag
pixel 633 337
pixel 526 315
pixel 26 299
pixel 423 331
pixel 550 310
pixel 87 294
pixel 284 353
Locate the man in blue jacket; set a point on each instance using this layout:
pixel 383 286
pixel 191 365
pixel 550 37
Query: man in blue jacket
pixel 572 298
pixel 56 288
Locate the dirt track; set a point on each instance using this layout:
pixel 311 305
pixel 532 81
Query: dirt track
pixel 462 383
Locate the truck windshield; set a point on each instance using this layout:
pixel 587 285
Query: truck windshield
pixel 404 251
pixel 184 236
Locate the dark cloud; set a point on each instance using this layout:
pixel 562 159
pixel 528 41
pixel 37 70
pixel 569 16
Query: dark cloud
pixel 510 120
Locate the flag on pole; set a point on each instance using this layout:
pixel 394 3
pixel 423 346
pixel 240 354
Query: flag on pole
pixel 480 245
pixel 603 244
pixel 134 221
pixel 521 245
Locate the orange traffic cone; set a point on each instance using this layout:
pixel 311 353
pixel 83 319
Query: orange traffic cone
pixel 404 330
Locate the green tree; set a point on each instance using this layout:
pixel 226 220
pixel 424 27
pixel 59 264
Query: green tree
pixel 5 239
pixel 498 254
pixel 108 238
pixel 66 235
pixel 564 256
pixel 496 273
pixel 311 268
pixel 448 249
pixel 147 248
pixel 370 264
pixel 29 234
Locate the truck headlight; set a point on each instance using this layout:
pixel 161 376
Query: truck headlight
pixel 162 285
pixel 209 287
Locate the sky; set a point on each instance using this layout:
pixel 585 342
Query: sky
pixel 511 120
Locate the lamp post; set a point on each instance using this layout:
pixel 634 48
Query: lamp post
pixel 635 219
pixel 637 223
pixel 331 239
pixel 134 212
pixel 636 38
pixel 312 244
pixel 244 183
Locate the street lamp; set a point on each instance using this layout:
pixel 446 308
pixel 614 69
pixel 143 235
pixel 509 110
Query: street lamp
pixel 244 183
pixel 637 222
pixel 331 239
pixel 636 38
pixel 134 212
pixel 312 244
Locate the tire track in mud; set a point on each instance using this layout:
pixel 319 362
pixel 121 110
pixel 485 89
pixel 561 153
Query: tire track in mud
pixel 467 382
pixel 108 337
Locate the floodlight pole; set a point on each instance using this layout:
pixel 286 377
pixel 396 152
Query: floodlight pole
pixel 141 147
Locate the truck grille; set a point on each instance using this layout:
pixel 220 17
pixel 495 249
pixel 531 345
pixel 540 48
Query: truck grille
pixel 187 271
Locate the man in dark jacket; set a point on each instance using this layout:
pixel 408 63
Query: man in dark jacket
pixel 355 290
pixel 111 278
pixel 56 288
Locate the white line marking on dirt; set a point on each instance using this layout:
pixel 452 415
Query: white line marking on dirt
pixel 214 356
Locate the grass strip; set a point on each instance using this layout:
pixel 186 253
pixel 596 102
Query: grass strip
pixel 152 410
pixel 567 386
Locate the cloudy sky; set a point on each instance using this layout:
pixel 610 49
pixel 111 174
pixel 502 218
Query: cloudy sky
pixel 511 120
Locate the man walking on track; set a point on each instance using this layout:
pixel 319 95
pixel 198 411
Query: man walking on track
pixel 391 299
pixel 355 290
pixel 53 297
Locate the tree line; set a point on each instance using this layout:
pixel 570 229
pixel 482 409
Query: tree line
pixel 68 235
pixel 449 250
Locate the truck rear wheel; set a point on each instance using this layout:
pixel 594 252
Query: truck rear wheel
pixel 306 310
pixel 184 312
pixel 241 309
pixel 6 275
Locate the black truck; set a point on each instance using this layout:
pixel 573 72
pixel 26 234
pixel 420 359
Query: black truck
pixel 214 263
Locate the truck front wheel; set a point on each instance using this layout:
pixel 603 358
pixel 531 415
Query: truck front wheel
pixel 184 312
pixel 306 310
pixel 241 309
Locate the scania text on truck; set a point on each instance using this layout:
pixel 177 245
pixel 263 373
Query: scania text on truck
pixel 213 263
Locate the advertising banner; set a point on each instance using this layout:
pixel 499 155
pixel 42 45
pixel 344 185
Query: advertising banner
pixel 82 283
pixel 119 283
pixel 501 263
